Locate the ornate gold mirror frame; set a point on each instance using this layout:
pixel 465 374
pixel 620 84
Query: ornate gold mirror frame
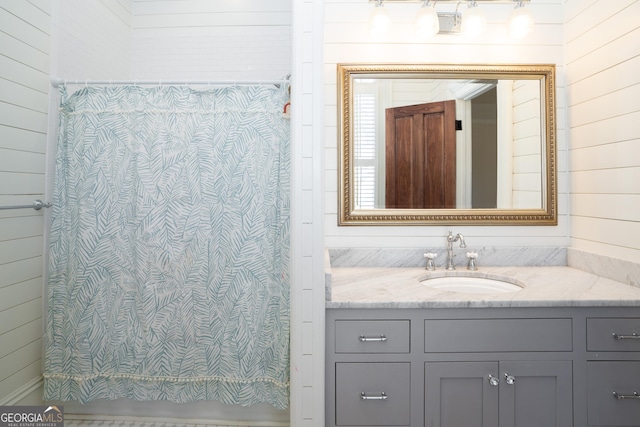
pixel 350 215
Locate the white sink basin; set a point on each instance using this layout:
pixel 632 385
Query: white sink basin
pixel 471 285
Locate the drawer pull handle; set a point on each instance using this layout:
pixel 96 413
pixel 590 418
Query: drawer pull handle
pixel 382 396
pixel 633 336
pixel 381 338
pixel 635 395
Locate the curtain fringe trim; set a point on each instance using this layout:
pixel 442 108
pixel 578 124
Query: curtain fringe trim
pixel 80 378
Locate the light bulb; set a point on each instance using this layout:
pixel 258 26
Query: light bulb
pixel 473 21
pixel 427 22
pixel 520 22
pixel 379 20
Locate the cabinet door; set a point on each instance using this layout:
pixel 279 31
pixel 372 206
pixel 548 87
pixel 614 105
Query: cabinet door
pixel 461 394
pixel 534 394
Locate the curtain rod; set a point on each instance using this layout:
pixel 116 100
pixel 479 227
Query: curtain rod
pixel 37 205
pixel 55 82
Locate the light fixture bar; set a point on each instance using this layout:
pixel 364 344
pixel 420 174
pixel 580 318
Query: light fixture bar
pixel 450 22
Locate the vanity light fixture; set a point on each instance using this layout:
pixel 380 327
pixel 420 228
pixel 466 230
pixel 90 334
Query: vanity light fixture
pixel 379 20
pixel 473 20
pixel 427 21
pixel 521 21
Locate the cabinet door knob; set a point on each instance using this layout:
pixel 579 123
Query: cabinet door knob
pixel 381 396
pixel 493 380
pixel 509 379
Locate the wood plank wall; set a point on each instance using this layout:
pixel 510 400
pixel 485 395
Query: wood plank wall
pixel 24 85
pixel 211 40
pixel 602 61
pixel 92 40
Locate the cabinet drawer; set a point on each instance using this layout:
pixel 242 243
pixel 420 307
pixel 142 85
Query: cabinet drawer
pixel 605 378
pixel 372 336
pixel 386 399
pixel 497 335
pixel 613 334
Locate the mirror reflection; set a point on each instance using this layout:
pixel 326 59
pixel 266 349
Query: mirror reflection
pixel 453 141
pixel 435 143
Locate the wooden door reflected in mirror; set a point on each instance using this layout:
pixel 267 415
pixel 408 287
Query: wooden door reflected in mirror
pixel 420 156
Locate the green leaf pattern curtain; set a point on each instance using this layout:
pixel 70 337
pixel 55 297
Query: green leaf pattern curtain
pixel 169 248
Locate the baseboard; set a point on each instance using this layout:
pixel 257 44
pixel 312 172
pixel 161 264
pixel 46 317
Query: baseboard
pixel 17 396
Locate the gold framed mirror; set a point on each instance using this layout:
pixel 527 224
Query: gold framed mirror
pixel 446 144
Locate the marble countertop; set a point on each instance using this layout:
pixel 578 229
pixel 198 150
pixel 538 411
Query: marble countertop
pixel 556 286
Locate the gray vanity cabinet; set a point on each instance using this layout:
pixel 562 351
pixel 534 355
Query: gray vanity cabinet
pixel 483 367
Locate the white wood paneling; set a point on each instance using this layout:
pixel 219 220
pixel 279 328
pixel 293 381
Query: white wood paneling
pixel 175 7
pixel 27 34
pixel 20 271
pixel 34 14
pixel 211 40
pixel 93 39
pixel 18 94
pixel 17 380
pixel 20 227
pixel 19 139
pixel 606 206
pixel 20 336
pixel 602 88
pixel 213 20
pixel 25 28
pixel 22 161
pixel 21 183
pixel 24 118
pixel 22 52
pixel 16 71
pixel 20 293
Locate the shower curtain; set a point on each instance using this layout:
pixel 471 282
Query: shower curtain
pixel 169 248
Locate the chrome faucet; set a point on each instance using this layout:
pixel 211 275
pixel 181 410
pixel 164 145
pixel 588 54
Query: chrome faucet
pixel 451 239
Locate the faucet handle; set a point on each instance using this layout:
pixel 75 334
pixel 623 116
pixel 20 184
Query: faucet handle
pixel 472 260
pixel 430 256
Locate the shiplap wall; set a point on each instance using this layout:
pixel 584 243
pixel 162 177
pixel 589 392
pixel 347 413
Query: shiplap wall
pixel 603 86
pixel 347 40
pixel 211 40
pixel 24 85
pixel 527 170
pixel 92 39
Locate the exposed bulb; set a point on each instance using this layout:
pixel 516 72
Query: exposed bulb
pixel 427 22
pixel 379 20
pixel 473 21
pixel 520 22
